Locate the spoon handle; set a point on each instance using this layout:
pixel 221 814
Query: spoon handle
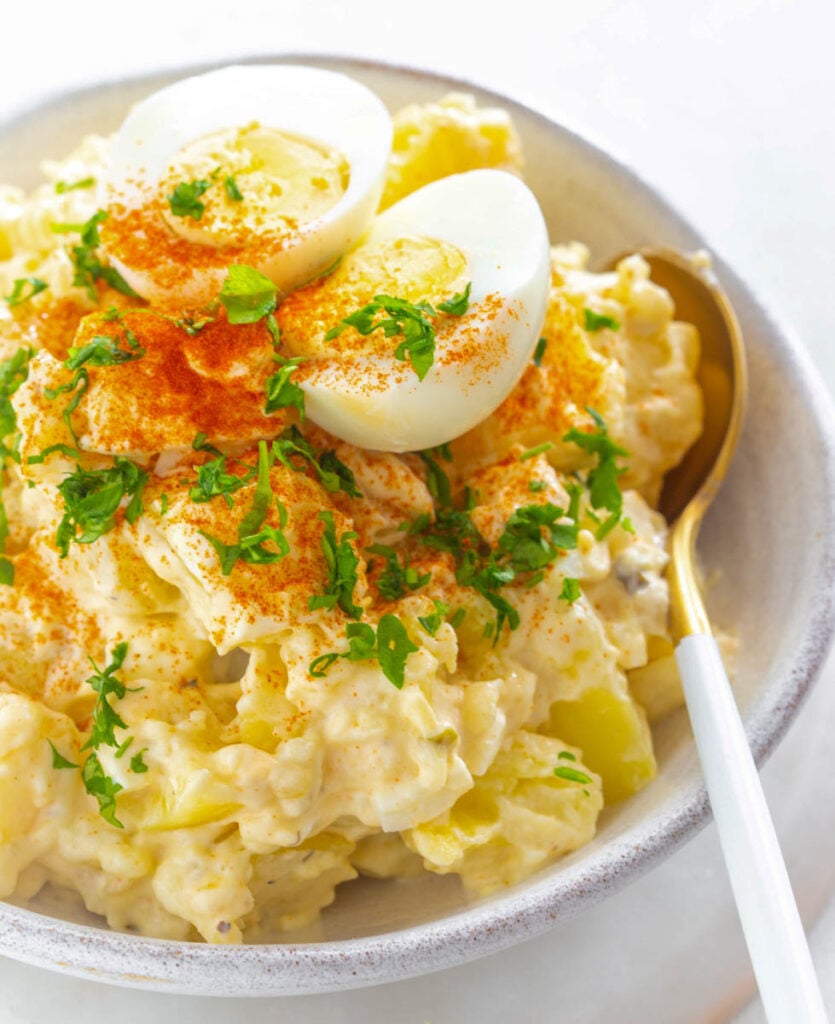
pixel 767 909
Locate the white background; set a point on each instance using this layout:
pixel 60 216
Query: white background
pixel 728 107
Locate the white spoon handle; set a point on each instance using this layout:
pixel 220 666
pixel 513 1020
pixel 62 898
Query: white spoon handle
pixel 767 909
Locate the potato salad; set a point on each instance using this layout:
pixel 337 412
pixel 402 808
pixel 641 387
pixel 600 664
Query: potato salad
pixel 328 539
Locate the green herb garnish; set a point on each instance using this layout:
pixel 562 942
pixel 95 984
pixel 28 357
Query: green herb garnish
pixel 432 622
pixel 103 350
pixel 185 199
pixel 414 321
pixel 389 645
pixel 63 186
pixel 458 304
pixel 213 481
pixel 571 774
pixel 105 718
pixel 247 295
pixel 396 578
pixel 88 267
pixel 602 479
pixel 341 561
pixel 282 392
pixel 539 351
pixel 293 450
pixel 105 721
pixel 232 190
pixel 531 453
pixel 252 533
pixel 58 759
pixel 91 499
pixel 597 321
pixel 13 372
pixel 437 480
pixel 534 536
pixel 24 289
pixel 99 784
pixel 570 589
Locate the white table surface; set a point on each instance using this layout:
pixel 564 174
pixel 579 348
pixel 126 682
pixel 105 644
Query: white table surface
pixel 727 105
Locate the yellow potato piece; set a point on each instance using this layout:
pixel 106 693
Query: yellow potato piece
pixel 193 800
pixel 611 730
pixel 451 136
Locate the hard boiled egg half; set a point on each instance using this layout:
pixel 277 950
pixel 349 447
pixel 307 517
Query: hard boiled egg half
pixel 279 167
pixel 479 234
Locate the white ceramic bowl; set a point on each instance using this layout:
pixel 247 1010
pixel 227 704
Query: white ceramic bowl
pixel 769 538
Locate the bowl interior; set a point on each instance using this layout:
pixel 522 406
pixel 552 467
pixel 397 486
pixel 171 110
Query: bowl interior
pixel 767 552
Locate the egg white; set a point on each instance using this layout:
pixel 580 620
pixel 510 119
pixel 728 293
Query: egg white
pixel 325 107
pixel 495 220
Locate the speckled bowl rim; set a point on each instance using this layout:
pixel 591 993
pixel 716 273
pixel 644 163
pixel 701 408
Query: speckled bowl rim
pixel 287 969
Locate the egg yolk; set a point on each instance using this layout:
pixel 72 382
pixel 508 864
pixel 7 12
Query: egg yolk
pixel 414 268
pixel 251 180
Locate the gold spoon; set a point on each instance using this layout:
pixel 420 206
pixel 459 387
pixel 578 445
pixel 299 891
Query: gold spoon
pixel 762 891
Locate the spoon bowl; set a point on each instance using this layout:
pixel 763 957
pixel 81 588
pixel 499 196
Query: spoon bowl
pixel 690 488
pixel 762 891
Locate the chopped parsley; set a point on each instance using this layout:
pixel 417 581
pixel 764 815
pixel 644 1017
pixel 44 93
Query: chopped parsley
pixel 64 186
pixel 104 350
pixel 101 350
pixel 487 577
pixel 105 721
pixel 58 759
pixel 213 481
pixel 282 392
pixel 566 755
pixel 539 351
pixel 437 480
pixel 570 589
pixel 602 479
pixel 534 536
pixel 414 321
pixel 252 533
pixel 76 387
pixel 396 577
pixel 536 486
pixel 185 199
pixel 390 646
pixel 569 774
pixel 293 450
pixel 137 763
pixel 24 289
pixel 13 372
pixel 193 323
pixel 458 304
pixel 100 785
pixel 432 622
pixel 105 718
pixel 87 265
pixel 393 648
pixel 457 617
pixel 247 295
pixel 540 449
pixel 597 321
pixel 91 499
pixel 341 561
pixel 230 186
